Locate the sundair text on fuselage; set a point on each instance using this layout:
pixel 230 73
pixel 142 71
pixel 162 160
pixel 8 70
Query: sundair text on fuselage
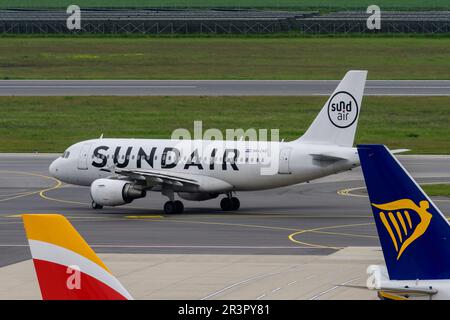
pixel 169 158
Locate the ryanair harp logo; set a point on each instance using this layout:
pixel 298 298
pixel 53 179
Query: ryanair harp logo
pixel 399 223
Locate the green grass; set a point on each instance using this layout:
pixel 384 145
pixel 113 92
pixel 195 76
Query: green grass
pixel 290 4
pixel 222 58
pixel 437 189
pixel 50 124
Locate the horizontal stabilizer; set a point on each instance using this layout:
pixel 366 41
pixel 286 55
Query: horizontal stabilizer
pixel 411 291
pixel 326 157
pixel 397 151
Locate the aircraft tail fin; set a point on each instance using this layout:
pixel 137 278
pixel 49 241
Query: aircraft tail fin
pixel 66 266
pixel 414 234
pixel 337 121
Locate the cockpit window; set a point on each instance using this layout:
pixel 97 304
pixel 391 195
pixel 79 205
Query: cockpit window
pixel 65 155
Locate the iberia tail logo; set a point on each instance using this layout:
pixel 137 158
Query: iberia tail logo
pixel 404 221
pixel 66 266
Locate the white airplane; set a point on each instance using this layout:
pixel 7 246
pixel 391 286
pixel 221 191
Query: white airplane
pixel 121 170
pixel 414 234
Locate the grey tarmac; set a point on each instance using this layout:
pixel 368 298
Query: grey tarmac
pixel 215 87
pixel 297 242
pixel 315 218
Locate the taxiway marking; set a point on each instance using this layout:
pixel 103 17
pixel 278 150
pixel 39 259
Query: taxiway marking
pixel 349 191
pixel 332 289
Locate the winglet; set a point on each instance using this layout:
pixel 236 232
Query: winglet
pixel 66 266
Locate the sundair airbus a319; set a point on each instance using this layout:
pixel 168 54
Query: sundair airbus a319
pixel 121 170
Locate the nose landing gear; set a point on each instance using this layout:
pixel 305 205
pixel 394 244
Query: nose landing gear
pixel 96 206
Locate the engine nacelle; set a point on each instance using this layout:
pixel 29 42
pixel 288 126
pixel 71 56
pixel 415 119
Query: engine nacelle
pixel 110 192
pixel 197 196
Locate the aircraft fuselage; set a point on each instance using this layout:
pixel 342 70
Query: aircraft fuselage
pixel 238 163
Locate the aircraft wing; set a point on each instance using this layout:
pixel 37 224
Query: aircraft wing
pixel 160 177
pixel 178 180
pixel 333 157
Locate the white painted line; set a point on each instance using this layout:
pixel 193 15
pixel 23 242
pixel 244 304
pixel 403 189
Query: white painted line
pixel 407 87
pixel 213 294
pixel 91 87
pixel 171 247
pixel 197 247
pixel 409 94
pixel 332 289
pixel 387 94
pixel 261 296
pixel 276 289
pixel 183 86
pixel 292 282
pixel 14 245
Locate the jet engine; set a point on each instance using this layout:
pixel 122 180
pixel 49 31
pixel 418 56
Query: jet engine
pixel 197 196
pixel 111 192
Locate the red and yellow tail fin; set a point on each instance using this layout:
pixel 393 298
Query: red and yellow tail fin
pixel 66 266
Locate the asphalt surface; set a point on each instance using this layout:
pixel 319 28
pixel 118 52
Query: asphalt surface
pixel 215 87
pixel 305 219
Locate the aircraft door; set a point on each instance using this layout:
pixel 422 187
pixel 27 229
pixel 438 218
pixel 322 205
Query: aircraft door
pixel 83 158
pixel 283 166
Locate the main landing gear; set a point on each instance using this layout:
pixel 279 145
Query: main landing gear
pixel 230 203
pixel 171 207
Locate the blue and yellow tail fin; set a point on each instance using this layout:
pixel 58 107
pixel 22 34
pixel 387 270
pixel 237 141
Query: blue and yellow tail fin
pixel 414 234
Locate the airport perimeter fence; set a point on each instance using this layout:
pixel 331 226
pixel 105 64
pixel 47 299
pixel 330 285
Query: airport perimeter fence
pixel 151 21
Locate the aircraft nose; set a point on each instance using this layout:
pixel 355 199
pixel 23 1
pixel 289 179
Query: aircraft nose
pixel 53 168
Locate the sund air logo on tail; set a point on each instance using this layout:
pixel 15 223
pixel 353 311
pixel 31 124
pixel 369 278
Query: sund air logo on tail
pixel 404 221
pixel 342 109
